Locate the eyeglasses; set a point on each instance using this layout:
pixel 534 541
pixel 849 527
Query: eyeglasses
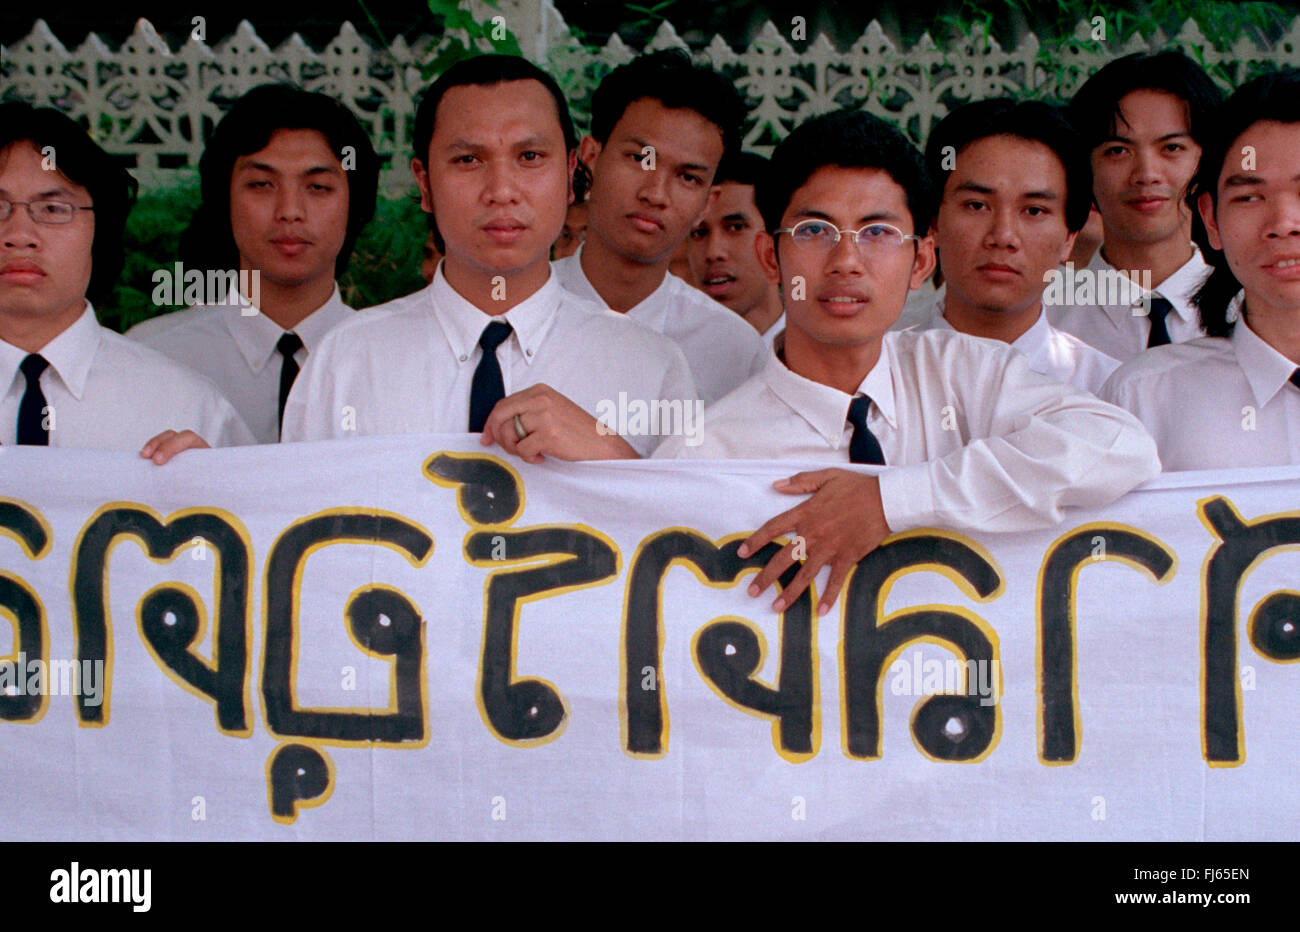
pixel 42 211
pixel 872 239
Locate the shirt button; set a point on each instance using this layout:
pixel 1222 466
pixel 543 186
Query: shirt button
pixel 463 357
pixel 529 352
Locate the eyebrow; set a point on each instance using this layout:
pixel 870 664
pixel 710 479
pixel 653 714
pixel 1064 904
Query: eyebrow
pixel 815 214
pixel 1165 138
pixel 528 142
pixel 1242 180
pixel 689 166
pixel 44 195
pixel 734 217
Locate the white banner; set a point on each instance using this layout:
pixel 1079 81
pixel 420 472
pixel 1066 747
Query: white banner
pixel 412 638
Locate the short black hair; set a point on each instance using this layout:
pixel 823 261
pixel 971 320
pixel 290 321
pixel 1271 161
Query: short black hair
pixel 81 160
pixel 1031 120
pixel 209 241
pixel 1274 97
pixel 742 168
pixel 670 77
pixel 486 71
pixel 847 139
pixel 1095 110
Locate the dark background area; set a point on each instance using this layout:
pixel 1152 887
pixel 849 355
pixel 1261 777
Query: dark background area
pixel 696 20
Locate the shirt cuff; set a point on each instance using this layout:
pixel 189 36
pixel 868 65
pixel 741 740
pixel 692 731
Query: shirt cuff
pixel 907 497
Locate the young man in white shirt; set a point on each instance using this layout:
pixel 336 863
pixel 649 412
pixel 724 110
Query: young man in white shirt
pixel 659 127
pixel 288 181
pixel 975 439
pixel 1013 190
pixel 720 248
pixel 1143 118
pixel 65 380
pixel 494 345
pixel 1233 398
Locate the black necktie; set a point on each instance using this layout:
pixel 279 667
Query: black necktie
pixel 1295 378
pixel 31 410
pixel 288 344
pixel 488 387
pixel 864 447
pixel 1160 308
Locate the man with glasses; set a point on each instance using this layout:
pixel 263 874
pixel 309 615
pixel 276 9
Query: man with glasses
pixel 975 439
pixel 65 380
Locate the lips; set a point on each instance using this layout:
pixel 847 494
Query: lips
pixel 21 272
pixel 291 245
pixel 842 303
pixel 645 223
pixel 997 271
pixel 718 283
pixel 1283 268
pixel 1147 204
pixel 504 230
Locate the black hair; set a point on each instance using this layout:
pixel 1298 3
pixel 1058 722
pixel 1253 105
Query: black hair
pixel 670 77
pixel 1274 96
pixel 1031 120
pixel 111 187
pixel 742 168
pixel 209 241
pixel 848 139
pixel 1095 110
pixel 486 71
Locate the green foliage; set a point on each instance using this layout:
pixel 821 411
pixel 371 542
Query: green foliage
pixel 153 235
pixel 385 263
pixel 454 19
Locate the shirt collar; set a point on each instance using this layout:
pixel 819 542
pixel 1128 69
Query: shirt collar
pixel 1266 370
pixel 256 335
pixel 462 322
pixel 1029 342
pixel 826 409
pixel 1177 289
pixel 651 311
pixel 70 354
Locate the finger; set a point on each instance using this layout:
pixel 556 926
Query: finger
pixel 501 424
pixel 151 445
pixel 802 579
pixel 532 448
pixel 801 483
pixel 176 443
pixel 784 523
pixel 839 572
pixel 770 573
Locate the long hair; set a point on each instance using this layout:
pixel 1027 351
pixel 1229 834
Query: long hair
pixel 209 241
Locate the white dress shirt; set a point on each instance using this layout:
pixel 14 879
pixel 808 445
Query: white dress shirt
pixel 916 309
pixel 771 333
pixel 106 392
pixel 407 367
pixel 721 349
pixel 1054 353
pixel 235 347
pixel 1121 329
pixel 973 438
pixel 1214 402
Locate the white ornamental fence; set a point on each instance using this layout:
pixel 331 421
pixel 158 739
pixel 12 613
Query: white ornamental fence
pixel 158 105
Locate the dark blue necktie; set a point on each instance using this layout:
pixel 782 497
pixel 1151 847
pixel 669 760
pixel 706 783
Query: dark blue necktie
pixel 488 387
pixel 287 345
pixel 1160 308
pixel 31 410
pixel 863 447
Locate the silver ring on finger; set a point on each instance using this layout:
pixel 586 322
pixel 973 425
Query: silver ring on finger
pixel 520 433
